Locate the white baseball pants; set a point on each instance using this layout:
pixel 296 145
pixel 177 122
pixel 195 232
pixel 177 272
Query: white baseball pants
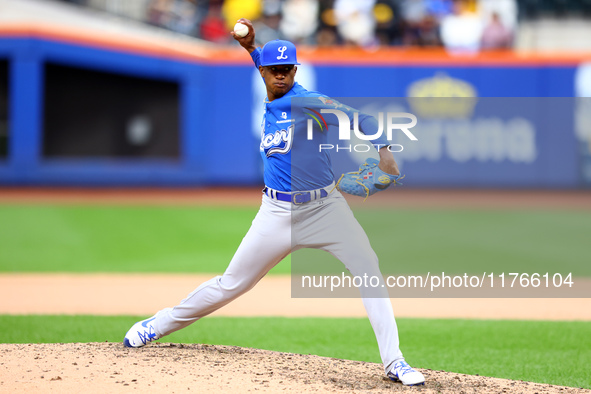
pixel 269 240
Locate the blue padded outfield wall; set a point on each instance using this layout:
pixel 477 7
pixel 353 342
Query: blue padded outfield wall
pixel 220 108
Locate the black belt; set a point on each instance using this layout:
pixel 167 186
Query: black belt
pixel 296 198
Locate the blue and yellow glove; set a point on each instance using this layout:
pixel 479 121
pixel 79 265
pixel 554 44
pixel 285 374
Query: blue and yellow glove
pixel 369 180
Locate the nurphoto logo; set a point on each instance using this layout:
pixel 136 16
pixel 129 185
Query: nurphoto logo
pixel 388 123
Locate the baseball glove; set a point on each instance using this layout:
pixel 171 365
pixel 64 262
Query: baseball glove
pixel 369 180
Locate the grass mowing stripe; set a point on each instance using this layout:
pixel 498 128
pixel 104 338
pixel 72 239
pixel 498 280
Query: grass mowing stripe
pixel 477 241
pixel 120 239
pixel 539 351
pixel 204 239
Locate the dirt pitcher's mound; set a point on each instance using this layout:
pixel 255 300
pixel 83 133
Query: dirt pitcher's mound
pixel 172 368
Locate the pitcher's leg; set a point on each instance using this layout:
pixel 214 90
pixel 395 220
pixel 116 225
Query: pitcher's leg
pixel 340 234
pixel 361 261
pixel 380 314
pixel 267 242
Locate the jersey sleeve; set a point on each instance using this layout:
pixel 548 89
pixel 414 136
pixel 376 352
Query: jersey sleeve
pixel 256 57
pixel 368 124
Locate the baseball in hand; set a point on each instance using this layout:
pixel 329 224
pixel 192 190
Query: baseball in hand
pixel 240 29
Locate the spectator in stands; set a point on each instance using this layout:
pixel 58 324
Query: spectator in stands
pixel 356 21
pixel 267 27
pixel 213 27
pixel 413 12
pixel 299 20
pixel 452 23
pixel 388 22
pixel 326 35
pixel 232 10
pixel 184 17
pixel 428 32
pixel 158 13
pixel 421 21
pixel 461 31
pixel 505 9
pixel 496 35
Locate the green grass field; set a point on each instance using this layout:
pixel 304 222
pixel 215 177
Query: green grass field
pixel 120 239
pixel 203 239
pixel 545 352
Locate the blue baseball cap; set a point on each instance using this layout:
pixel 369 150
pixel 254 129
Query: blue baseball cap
pixel 278 52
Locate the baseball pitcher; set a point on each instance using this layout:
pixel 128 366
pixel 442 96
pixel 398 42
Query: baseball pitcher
pixel 299 199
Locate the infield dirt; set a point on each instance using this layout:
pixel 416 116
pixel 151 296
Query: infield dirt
pixel 73 294
pixel 172 368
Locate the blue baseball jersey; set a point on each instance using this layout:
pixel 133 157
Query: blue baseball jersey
pixel 292 160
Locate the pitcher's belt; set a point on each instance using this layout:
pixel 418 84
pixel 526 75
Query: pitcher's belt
pixel 298 198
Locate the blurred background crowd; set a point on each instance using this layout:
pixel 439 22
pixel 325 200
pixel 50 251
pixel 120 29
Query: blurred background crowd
pixel 454 24
pixel 159 72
